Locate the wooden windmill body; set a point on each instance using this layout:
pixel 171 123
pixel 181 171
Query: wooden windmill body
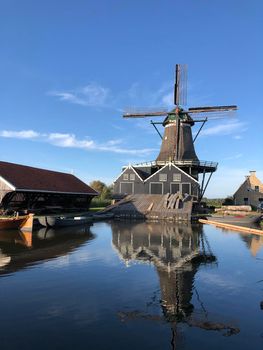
pixel 177 167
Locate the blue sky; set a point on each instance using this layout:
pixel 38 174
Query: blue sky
pixel 69 68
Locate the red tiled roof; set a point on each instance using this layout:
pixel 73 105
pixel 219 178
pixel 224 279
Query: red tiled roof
pixel 34 179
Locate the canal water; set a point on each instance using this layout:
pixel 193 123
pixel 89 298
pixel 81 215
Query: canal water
pixel 131 285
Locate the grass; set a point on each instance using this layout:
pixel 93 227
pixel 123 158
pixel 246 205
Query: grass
pixel 96 209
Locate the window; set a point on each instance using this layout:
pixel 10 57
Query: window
pixel 186 188
pixel 125 176
pixel 162 177
pixel 177 177
pixel 257 188
pixel 246 201
pixel 132 177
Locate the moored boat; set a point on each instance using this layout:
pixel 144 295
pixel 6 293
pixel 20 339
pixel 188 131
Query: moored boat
pixel 63 221
pixel 24 222
pixel 102 216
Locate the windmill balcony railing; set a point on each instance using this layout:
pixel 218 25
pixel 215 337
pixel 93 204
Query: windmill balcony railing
pixel 187 163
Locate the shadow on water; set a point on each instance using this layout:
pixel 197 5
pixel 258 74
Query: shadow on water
pixel 18 249
pixel 176 251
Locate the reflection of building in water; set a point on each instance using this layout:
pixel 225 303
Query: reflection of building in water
pixel 175 250
pixel 19 250
pixel 253 242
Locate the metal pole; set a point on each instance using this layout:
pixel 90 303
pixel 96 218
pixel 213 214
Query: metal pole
pixel 201 127
pixel 153 123
pixel 202 194
pixel 202 186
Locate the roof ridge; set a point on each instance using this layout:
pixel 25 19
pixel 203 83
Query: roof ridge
pixel 33 167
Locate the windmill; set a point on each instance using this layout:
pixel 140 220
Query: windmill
pixel 177 141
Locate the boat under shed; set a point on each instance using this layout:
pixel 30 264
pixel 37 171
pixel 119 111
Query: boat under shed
pixel 25 188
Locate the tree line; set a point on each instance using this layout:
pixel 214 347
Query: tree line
pixel 105 193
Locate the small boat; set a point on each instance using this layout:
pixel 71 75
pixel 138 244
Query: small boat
pixel 24 222
pixel 102 216
pixel 62 221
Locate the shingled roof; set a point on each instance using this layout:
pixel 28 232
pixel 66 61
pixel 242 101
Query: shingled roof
pixel 27 178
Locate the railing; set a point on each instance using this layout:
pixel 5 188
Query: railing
pixel 198 163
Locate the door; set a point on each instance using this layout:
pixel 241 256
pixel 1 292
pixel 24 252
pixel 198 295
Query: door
pixel 126 187
pixel 186 188
pixel 175 188
pixel 156 188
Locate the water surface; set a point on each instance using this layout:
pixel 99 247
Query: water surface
pixel 127 285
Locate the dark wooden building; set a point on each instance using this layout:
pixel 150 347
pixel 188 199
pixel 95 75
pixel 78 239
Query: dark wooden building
pixel 39 190
pixel 150 179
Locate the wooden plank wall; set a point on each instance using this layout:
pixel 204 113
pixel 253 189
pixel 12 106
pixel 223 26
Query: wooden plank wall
pixel 172 207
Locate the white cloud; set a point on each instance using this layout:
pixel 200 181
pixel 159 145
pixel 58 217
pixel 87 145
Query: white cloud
pixel 149 99
pixel 114 142
pixel 223 282
pixel 224 128
pixel 235 156
pixel 23 134
pixel 71 141
pixel 168 99
pixel 93 95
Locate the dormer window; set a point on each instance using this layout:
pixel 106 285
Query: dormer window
pixel 163 177
pixel 177 177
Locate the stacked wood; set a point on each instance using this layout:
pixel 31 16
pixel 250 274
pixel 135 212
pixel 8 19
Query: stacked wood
pixel 237 210
pixel 233 212
pixel 246 208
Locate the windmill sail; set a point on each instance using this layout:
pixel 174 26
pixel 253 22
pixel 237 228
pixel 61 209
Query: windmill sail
pixel 212 109
pixel 180 86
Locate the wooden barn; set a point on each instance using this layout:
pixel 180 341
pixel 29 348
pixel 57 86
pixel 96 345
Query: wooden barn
pixel 39 190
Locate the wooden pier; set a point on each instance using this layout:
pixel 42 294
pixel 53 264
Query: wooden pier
pixel 232 227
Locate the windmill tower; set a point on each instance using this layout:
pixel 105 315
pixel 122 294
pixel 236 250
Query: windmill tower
pixel 177 148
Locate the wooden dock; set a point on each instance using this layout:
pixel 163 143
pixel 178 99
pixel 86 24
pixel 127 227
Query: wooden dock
pixel 232 227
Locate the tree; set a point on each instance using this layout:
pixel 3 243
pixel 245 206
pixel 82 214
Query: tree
pixel 98 186
pixel 229 201
pixel 103 190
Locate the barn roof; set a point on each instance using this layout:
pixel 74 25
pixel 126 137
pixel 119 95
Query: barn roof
pixel 21 177
pixel 143 175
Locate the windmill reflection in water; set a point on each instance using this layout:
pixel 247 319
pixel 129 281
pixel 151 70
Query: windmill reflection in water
pixel 176 251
